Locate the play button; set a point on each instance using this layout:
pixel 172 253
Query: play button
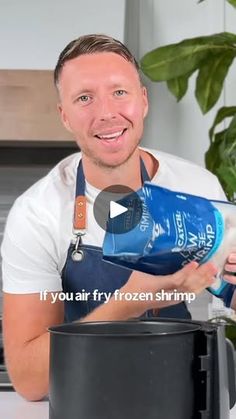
pixel 117 209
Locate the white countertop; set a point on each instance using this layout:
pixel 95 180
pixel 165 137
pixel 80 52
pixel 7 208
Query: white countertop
pixel 233 412
pixel 12 406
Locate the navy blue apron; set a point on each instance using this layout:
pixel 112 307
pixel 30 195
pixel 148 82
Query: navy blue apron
pixel 91 273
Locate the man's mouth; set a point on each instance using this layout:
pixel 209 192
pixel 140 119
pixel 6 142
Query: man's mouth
pixel 113 136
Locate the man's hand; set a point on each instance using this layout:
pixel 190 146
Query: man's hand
pixel 230 276
pixel 230 268
pixel 190 279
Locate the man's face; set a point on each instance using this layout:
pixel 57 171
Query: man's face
pixel 103 104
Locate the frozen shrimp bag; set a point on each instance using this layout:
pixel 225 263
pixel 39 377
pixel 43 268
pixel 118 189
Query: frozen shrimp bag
pixel 175 228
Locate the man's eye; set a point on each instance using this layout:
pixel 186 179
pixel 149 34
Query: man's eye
pixel 83 98
pixel 120 92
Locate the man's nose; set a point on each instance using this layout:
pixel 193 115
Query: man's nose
pixel 106 109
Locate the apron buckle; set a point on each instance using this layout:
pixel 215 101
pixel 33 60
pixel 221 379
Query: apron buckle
pixel 78 254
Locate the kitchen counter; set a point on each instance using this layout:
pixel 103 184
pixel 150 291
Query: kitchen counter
pixel 12 406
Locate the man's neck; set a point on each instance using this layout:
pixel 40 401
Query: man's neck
pixel 128 174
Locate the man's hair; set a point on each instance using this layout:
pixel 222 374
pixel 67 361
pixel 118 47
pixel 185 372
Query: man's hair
pixel 91 44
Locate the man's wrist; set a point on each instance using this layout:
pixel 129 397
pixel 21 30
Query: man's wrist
pixel 233 301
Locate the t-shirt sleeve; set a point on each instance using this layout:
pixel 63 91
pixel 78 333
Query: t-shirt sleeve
pixel 29 250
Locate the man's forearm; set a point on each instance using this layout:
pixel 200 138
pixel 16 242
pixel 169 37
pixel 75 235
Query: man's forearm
pixel 111 311
pixel 29 371
pixel 31 368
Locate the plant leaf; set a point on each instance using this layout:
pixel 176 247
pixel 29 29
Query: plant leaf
pixel 179 86
pixel 227 154
pixel 224 112
pixel 175 60
pixel 232 2
pixel 220 158
pixel 210 79
pixel 227 176
pixel 231 131
pixel 227 37
pixel 212 156
pixel 172 61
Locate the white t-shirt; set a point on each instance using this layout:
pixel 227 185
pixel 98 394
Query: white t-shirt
pixel 39 226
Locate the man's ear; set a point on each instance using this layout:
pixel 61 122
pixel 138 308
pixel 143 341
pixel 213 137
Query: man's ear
pixel 64 118
pixel 145 102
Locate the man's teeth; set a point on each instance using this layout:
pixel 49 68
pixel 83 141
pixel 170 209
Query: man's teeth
pixel 112 136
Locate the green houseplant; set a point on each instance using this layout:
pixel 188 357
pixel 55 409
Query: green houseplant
pixel 211 57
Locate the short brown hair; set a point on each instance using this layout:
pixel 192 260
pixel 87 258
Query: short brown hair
pixel 90 44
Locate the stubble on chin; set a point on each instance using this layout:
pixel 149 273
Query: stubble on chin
pixel 108 165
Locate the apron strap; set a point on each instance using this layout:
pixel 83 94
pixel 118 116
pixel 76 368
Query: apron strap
pixel 144 174
pixel 79 223
pixel 80 179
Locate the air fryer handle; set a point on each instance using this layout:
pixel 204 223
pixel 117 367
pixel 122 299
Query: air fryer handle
pixel 231 372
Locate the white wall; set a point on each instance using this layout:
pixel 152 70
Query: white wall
pixel 180 129
pixel 33 32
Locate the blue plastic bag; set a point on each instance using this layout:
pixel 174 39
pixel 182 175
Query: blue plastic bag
pixel 175 228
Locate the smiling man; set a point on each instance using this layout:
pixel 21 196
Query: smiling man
pixel 103 103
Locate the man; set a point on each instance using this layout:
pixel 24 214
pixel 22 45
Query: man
pixel 103 103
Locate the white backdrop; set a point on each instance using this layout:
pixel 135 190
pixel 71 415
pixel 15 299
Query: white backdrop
pixel 33 33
